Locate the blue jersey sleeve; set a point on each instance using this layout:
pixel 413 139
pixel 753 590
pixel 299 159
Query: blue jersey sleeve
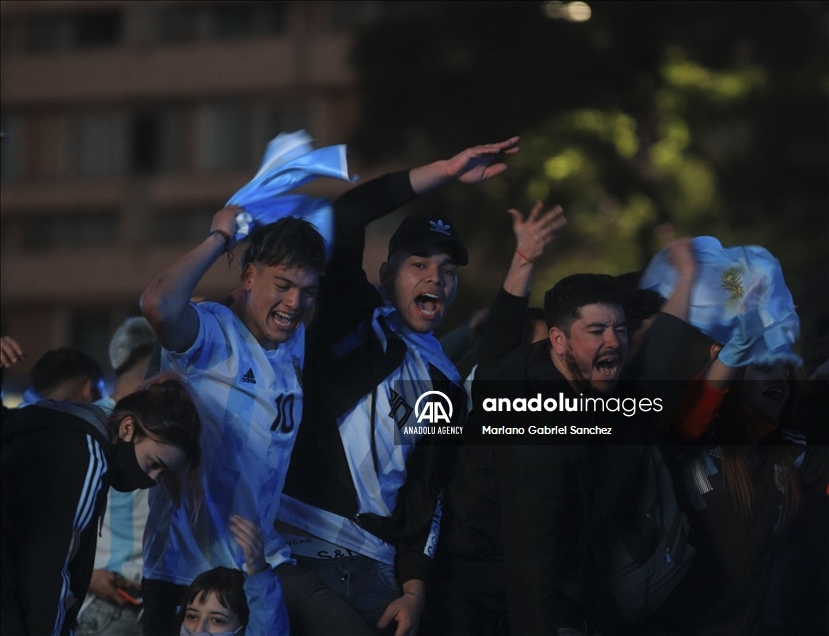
pixel 268 615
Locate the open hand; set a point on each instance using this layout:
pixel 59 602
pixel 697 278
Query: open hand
pixel 473 164
pixel 406 609
pixel 10 352
pixel 533 235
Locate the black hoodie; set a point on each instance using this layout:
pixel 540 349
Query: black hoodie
pixel 56 459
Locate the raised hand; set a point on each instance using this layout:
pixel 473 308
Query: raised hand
pixel 224 221
pixel 250 540
pixel 681 254
pixel 537 231
pixel 474 165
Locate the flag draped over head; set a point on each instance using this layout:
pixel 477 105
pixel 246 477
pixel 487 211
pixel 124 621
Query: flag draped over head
pixel 289 162
pixel 735 288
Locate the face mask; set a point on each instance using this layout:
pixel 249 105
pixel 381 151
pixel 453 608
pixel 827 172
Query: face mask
pixel 127 474
pixel 186 631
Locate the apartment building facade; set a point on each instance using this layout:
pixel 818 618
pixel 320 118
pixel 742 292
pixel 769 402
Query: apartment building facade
pixel 127 125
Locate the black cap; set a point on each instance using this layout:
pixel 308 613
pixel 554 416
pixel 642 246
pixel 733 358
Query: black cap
pixel 420 231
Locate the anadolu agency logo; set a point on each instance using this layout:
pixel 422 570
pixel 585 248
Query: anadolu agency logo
pixel 435 410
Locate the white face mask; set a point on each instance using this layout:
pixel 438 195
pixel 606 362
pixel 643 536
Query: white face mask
pixel 186 631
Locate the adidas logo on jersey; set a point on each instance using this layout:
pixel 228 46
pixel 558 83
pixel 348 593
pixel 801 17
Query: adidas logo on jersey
pixel 248 377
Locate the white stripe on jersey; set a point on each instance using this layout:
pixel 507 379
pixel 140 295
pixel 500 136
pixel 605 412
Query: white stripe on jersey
pixel 793 436
pixel 95 470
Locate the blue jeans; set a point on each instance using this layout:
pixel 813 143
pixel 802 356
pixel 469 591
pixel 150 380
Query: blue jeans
pixel 368 586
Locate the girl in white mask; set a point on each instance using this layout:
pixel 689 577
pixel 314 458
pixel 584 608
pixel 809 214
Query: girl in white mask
pixel 228 602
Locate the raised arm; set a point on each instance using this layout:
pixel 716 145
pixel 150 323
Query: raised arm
pixel 263 589
pixel 681 254
pixel 473 165
pixel 358 207
pixel 532 236
pixel 504 326
pixel 166 302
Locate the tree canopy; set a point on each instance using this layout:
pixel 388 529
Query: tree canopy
pixel 713 116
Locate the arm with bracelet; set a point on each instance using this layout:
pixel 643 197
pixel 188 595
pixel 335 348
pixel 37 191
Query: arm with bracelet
pixel 166 302
pixel 505 324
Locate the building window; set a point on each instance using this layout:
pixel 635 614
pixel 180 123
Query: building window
pixel 226 135
pixel 99 28
pixel 233 21
pixel 82 30
pixel 98 145
pixel 234 137
pixel 105 145
pixel 156 143
pixel 182 226
pixel 75 230
pixel 174 25
pixel 219 21
pixel 10 158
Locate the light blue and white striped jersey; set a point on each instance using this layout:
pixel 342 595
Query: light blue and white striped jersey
pixel 376 490
pixel 122 527
pixel 250 404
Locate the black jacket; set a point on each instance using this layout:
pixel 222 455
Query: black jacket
pixel 515 530
pixel 55 479
pixel 345 362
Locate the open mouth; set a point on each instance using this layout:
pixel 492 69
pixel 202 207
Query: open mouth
pixel 608 366
pixel 283 320
pixel 428 305
pixel 773 394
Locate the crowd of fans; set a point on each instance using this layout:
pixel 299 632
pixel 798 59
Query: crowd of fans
pixel 252 473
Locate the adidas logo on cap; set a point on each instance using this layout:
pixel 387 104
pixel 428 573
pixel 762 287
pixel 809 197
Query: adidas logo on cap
pixel 439 226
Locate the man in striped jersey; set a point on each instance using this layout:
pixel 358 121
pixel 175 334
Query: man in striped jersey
pixel 244 364
pixel 360 507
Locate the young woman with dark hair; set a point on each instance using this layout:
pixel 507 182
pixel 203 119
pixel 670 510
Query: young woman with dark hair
pixel 58 461
pixel 741 479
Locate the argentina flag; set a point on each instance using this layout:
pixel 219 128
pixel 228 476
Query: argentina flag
pixel 289 162
pixel 736 287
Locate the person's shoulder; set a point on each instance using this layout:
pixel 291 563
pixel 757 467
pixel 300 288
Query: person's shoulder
pixel 58 422
pixel 106 404
pixel 222 312
pixel 217 317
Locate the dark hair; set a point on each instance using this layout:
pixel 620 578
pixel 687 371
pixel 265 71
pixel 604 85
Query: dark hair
pixel 166 411
pixel 737 444
pixel 563 303
pixel 59 365
pixel 533 315
pixel 292 242
pixel 228 586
